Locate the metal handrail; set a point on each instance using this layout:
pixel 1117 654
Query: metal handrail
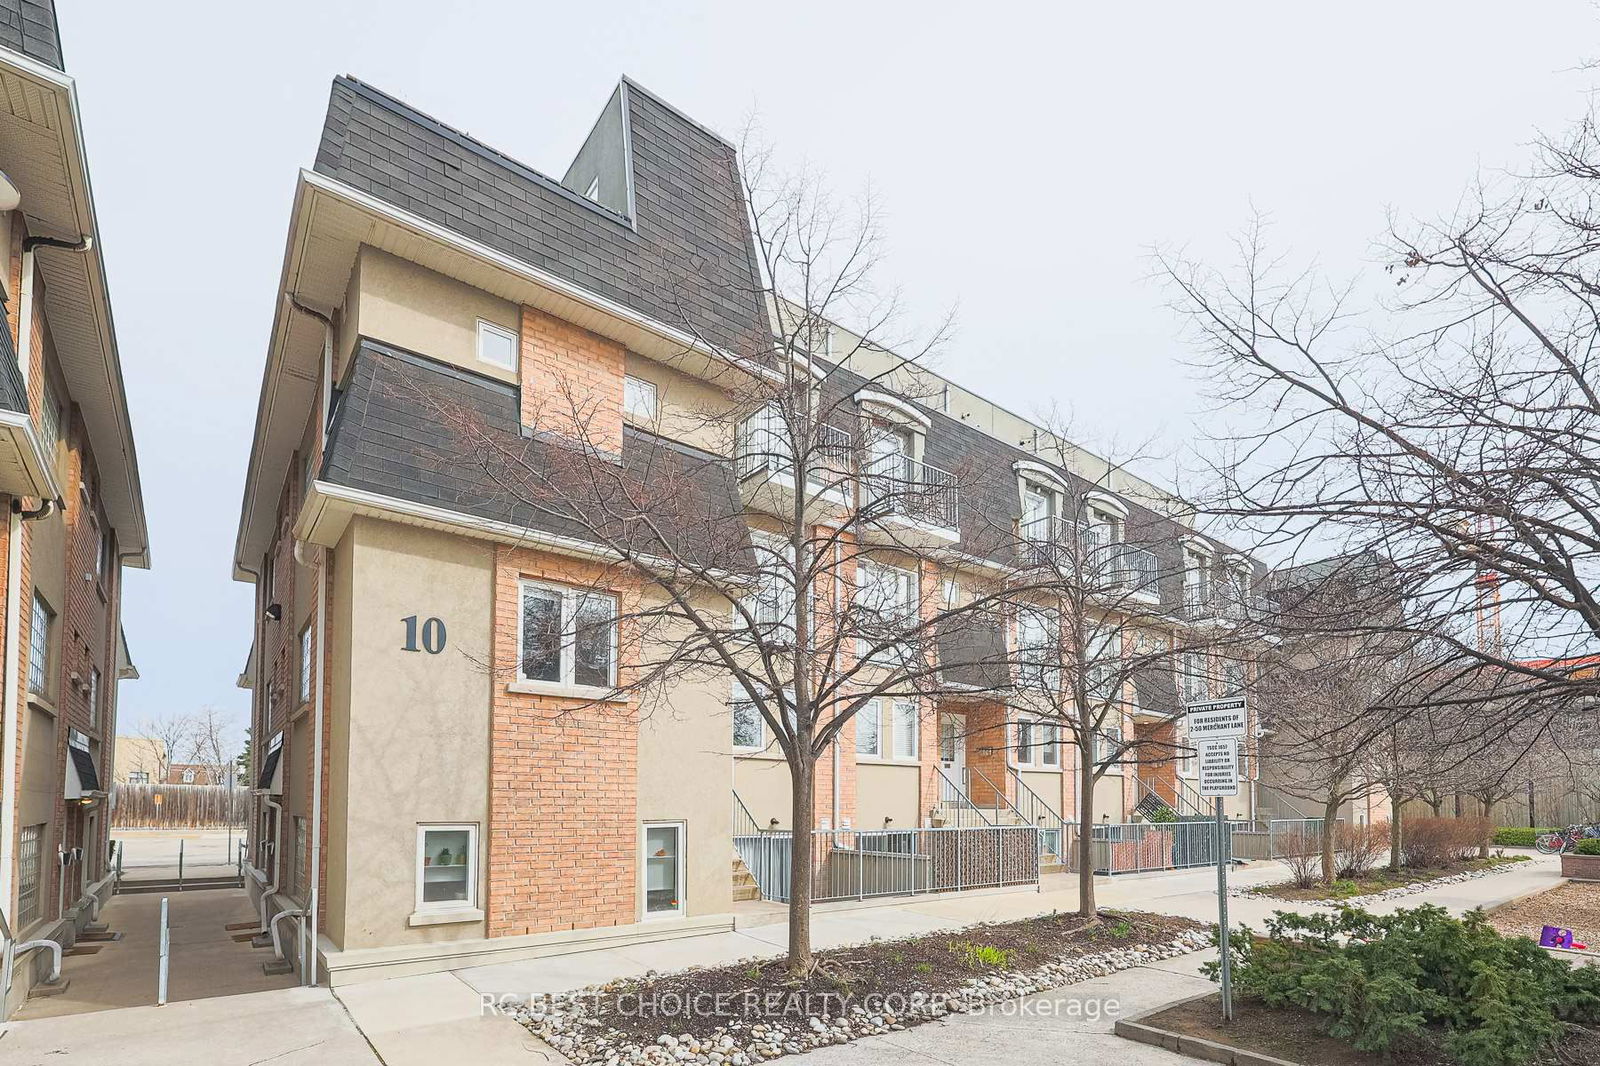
pixel 995 789
pixel 763 440
pixel 744 824
pixel 962 797
pixel 901 485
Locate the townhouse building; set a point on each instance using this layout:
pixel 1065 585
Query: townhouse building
pixel 75 516
pixel 437 786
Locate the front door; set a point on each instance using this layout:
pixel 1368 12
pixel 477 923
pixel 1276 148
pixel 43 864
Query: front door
pixel 952 756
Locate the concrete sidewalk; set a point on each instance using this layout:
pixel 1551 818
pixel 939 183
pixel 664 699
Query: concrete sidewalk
pixel 409 1018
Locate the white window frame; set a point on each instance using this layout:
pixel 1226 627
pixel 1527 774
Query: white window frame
pixel 644 874
pixel 42 618
pixel 30 876
pixel 913 733
pixel 454 905
pixel 1186 753
pixel 188 777
pixel 772 606
pixel 1102 740
pixel 138 777
pixel 905 606
pixel 94 697
pixel 500 332
pixel 1040 663
pixel 643 389
pixel 1193 685
pixel 568 657
pixel 734 706
pixel 1038 744
pixel 305 665
pixel 873 712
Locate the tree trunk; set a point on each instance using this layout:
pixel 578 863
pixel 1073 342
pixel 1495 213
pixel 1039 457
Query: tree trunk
pixel 1394 838
pixel 1330 825
pixel 1085 847
pixel 1437 803
pixel 1483 845
pixel 800 865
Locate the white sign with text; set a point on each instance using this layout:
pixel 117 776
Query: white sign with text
pixel 1219 767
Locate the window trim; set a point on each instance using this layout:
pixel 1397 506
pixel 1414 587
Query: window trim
pixel 41 606
pixel 30 914
pixel 1044 738
pixel 566 684
pixel 650 389
pixel 873 706
pixel 734 704
pixel 303 681
pixel 682 829
pixel 915 732
pixel 455 909
pixel 494 329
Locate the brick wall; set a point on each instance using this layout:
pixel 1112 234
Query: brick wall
pixel 563 834
pixel 571 381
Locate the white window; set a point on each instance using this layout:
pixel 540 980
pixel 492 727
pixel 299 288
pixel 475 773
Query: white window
pixel 952 593
pixel 886 605
pixel 905 729
pixel 138 777
pixel 496 346
pixel 1104 527
pixel 302 878
pixel 447 867
pixel 1194 677
pixel 1038 743
pixel 305 664
pixel 749 728
pixel 1232 677
pixel 1104 665
pixel 1039 648
pixel 869 730
pixel 639 398
pixel 1196 578
pixel 94 697
pixel 771 602
pixel 30 870
pixel 663 869
pixel 1039 509
pixel 188 777
pixel 567 636
pixel 1108 748
pixel 50 423
pixel 39 646
pixel 1186 752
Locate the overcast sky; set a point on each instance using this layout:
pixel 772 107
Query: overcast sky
pixel 1028 159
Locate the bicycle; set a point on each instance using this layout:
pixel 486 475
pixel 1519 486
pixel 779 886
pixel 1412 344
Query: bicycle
pixel 1565 840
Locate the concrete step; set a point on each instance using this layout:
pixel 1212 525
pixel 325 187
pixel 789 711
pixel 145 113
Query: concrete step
pixel 746 892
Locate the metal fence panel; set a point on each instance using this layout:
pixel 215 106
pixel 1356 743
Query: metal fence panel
pixel 861 864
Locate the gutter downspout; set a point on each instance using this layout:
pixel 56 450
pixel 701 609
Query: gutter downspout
pixel 10 706
pixel 269 891
pixel 277 944
pixel 315 902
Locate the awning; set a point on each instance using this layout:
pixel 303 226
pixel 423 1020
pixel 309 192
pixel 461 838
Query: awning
pixel 83 781
pixel 271 780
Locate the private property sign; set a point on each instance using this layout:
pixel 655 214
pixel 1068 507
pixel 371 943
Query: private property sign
pixel 1217 719
pixel 1219 767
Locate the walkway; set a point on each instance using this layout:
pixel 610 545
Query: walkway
pixel 408 1019
pixel 204 958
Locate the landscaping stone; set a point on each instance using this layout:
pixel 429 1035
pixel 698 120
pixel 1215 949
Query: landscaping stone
pixel 1265 891
pixel 567 1023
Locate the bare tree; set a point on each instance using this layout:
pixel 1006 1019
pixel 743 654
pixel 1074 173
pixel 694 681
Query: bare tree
pixel 1447 419
pixel 830 598
pixel 214 745
pixel 173 734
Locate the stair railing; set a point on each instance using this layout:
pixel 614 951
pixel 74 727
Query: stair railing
pixel 968 815
pixel 1035 811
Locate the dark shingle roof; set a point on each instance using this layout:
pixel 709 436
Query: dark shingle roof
pixel 13 393
pixel 685 260
pixel 83 762
pixel 412 428
pixel 29 27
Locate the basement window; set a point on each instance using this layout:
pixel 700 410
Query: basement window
pixel 447 869
pixel 496 346
pixel 663 869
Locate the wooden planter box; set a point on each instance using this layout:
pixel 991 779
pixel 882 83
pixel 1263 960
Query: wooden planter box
pixel 1581 867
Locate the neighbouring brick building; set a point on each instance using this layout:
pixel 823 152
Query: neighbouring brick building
pixel 431 792
pixel 69 481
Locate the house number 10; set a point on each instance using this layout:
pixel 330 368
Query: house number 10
pixel 432 635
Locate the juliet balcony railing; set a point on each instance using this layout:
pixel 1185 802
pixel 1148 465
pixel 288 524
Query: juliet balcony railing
pixel 763 442
pixel 903 487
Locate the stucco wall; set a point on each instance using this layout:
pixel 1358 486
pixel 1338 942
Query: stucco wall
pixel 415 308
pixel 417 729
pixel 889 790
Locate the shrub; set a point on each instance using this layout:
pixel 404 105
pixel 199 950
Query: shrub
pixel 981 956
pixel 1587 846
pixel 1301 852
pixel 1359 848
pixel 1516 836
pixel 1385 982
pixel 1431 842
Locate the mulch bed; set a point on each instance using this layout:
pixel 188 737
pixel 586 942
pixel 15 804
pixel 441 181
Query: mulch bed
pixel 754 1010
pixel 1300 1036
pixel 1574 906
pixel 1382 880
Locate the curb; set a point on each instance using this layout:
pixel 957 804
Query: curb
pixel 1135 1028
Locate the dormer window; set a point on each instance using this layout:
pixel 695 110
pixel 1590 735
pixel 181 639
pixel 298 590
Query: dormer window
pixel 1197 590
pixel 1105 517
pixel 1042 493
